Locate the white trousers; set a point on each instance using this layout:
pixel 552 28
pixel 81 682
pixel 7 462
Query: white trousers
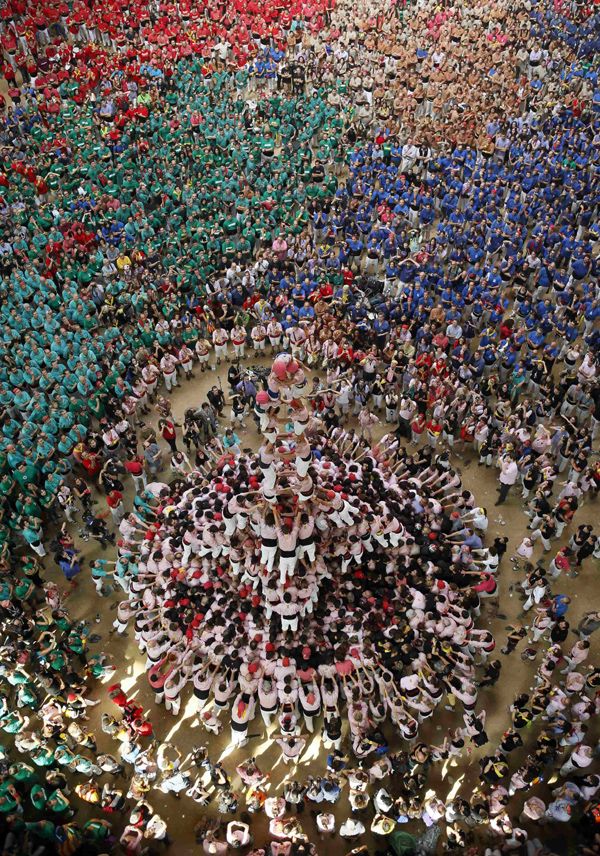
pixel 287 566
pixel 173 704
pixel 307 550
pixel 170 379
pixel 267 556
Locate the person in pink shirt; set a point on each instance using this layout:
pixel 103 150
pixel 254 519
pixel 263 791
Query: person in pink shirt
pixel 306 537
pixel 291 747
pixel 366 420
pixel 576 656
pixel 220 337
pixel 288 611
pixel 168 366
pixel 287 540
pixel 238 340
pixel 280 248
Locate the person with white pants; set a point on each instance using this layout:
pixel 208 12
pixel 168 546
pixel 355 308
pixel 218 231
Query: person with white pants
pixel 302 465
pixel 259 337
pixel 220 338
pixel 310 704
pixel 268 700
pixel 288 611
pixel 168 366
pixel 242 714
pixel 535 596
pixel 238 340
pixel 576 656
pixel 268 551
pixel 307 548
pixel 542 624
pixel 267 466
pixel 190 545
pixel 120 627
pixel 99 573
pixel 538 533
pixel 287 565
pixel 287 540
pixel 581 757
pixel 172 696
pixel 123 581
pixel 118 513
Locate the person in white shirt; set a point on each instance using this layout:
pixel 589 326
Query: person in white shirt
pixel 326 823
pixel 168 366
pixel 581 757
pixel 238 834
pixel 274 332
pixel 220 337
pixel 351 829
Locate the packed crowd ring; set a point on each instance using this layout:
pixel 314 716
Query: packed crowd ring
pixel 398 206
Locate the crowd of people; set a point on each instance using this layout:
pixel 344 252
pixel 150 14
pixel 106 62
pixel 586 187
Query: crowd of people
pixel 399 204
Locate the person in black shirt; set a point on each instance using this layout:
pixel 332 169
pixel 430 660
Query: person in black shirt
pixel 216 399
pixel 511 740
pixel 492 673
pixel 515 635
pixel 539 506
pixel 538 373
pixel 234 375
pixel 586 549
pixel 298 79
pixel 493 767
pixel 284 77
pixel 99 531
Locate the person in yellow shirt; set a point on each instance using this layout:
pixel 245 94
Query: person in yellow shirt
pixel 123 262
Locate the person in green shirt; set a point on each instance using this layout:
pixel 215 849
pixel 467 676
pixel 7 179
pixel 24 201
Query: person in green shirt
pixel 22 772
pixel 39 798
pixel 59 804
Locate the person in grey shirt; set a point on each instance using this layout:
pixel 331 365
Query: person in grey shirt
pixel 209 424
pixel 153 457
pixel 588 625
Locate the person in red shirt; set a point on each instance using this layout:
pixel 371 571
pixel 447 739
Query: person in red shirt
pixel 434 429
pixel 168 432
pixel 135 468
pixel 114 501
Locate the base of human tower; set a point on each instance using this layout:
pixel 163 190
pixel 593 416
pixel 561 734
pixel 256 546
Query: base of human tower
pixel 312 576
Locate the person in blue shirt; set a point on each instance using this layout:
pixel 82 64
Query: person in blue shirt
pixel 580 266
pixel 306 311
pixel 535 339
pixel 381 329
pixel 559 606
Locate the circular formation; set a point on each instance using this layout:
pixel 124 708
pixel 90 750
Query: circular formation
pixel 269 583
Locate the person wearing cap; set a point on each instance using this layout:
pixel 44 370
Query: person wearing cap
pixel 242 713
pixel 211 722
pixel 250 673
